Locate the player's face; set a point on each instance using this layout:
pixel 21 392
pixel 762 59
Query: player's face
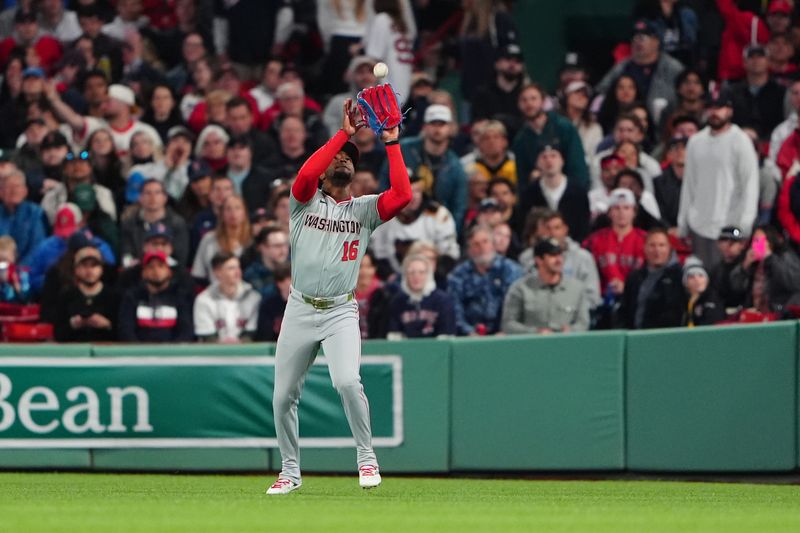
pixel 416 274
pixel 340 171
pixel 657 250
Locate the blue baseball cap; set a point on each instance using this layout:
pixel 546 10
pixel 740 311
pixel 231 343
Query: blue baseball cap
pixel 33 72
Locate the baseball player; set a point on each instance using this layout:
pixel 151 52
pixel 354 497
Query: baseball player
pixel 329 232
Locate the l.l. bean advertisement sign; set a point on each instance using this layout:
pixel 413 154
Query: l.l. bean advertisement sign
pixel 179 402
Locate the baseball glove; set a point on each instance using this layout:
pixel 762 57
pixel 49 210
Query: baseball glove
pixel 379 108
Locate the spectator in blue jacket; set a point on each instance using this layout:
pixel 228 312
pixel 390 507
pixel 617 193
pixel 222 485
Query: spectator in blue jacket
pixel 19 218
pixel 419 309
pixel 429 156
pixel 69 220
pixel 479 285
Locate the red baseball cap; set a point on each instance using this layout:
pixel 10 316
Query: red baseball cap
pixel 779 6
pixel 150 256
pixel 68 219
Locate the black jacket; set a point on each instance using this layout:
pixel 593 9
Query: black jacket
pixel 574 206
pixel 73 302
pixel 707 310
pixel 667 188
pixel 162 317
pixel 664 307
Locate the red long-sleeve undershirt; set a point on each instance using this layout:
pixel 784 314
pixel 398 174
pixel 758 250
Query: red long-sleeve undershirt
pixel 390 202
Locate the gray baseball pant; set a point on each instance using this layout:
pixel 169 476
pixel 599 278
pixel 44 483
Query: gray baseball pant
pixel 303 329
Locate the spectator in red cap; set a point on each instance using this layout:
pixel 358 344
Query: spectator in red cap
pixel 158 309
pixel 68 221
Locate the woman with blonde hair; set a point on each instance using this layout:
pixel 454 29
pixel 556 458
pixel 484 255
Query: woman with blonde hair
pixel 232 235
pixel 420 309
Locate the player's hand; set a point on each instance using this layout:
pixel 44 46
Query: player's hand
pixel 390 134
pixel 351 122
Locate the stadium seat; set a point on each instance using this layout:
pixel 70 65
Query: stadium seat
pixel 24 311
pixel 27 332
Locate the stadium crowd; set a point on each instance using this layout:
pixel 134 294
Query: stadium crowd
pixel 149 146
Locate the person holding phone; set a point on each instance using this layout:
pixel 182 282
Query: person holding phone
pixel 769 273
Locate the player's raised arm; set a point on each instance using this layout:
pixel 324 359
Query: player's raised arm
pixel 308 177
pixel 393 200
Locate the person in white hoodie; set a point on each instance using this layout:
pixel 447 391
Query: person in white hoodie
pixel 720 182
pixel 227 311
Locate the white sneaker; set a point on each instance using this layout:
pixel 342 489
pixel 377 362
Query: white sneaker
pixel 368 476
pixel 284 486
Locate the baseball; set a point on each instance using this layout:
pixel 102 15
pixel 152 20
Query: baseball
pixel 380 70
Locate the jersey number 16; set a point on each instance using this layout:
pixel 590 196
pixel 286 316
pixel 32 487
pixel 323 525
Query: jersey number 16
pixel 350 250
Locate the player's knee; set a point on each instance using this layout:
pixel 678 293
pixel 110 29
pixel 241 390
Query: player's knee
pixel 351 386
pixel 282 400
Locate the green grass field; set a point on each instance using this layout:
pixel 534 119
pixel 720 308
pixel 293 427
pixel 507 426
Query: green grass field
pixel 137 502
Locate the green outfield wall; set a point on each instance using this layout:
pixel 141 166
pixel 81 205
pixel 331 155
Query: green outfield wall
pixel 719 399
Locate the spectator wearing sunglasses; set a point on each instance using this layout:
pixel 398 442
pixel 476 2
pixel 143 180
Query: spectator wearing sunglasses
pixel 77 171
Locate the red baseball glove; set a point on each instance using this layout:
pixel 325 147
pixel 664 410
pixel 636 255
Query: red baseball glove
pixel 380 108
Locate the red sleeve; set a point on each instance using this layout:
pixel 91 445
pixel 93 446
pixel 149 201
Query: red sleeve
pixel 785 215
pixel 787 154
pixel 308 177
pixel 392 201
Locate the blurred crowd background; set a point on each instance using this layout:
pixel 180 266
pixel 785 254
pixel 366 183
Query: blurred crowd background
pixel 148 149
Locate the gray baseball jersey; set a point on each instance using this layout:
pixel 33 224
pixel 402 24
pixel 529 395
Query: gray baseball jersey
pixel 328 240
